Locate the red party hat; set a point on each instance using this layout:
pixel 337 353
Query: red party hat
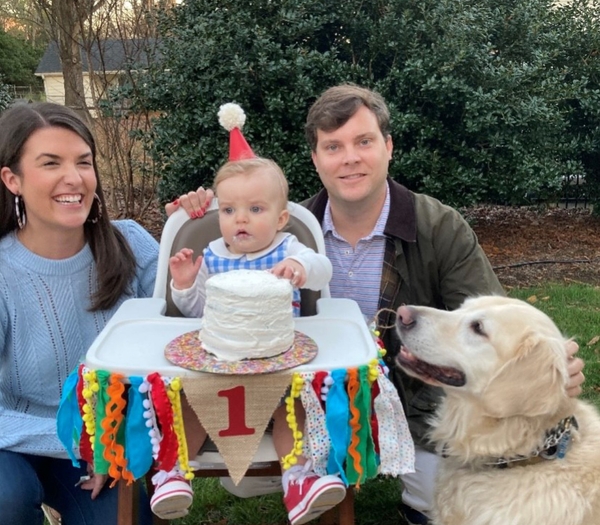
pixel 232 118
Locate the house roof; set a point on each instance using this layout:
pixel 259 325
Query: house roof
pixel 110 55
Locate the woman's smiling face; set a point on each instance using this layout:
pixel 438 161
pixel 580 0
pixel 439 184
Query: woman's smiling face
pixel 56 179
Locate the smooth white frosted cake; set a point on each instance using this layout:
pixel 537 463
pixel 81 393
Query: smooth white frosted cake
pixel 247 315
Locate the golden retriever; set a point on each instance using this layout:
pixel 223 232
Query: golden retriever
pixel 517 450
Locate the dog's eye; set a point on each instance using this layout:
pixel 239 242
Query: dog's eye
pixel 477 327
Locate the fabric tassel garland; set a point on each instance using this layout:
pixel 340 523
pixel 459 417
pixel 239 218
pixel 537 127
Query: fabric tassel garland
pixel 354 423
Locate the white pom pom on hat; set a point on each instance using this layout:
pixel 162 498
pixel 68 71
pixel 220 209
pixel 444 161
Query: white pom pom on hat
pixel 232 118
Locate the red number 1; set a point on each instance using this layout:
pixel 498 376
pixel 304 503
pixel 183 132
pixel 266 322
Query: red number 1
pixel 237 412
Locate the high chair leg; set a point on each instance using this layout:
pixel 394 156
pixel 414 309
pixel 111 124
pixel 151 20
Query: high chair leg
pixel 127 503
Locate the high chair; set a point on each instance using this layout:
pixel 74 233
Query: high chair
pixel 180 231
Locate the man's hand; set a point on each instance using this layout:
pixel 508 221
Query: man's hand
pixel 195 203
pixel 575 368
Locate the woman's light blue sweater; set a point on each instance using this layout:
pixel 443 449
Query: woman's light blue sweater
pixel 45 330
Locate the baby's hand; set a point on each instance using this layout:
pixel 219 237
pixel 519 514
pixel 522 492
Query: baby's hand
pixel 183 269
pixel 292 270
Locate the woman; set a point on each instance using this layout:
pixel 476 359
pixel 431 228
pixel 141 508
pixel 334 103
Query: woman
pixel 64 270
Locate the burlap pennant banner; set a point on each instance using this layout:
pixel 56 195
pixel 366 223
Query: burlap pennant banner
pixel 235 411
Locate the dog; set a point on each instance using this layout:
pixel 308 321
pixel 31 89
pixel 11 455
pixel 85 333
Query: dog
pixel 515 448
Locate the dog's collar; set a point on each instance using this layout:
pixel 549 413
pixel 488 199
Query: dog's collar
pixel 555 446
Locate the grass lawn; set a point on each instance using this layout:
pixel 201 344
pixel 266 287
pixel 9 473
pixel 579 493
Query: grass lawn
pixel 576 311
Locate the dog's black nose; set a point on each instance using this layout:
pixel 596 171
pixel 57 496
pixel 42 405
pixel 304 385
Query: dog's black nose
pixel 406 317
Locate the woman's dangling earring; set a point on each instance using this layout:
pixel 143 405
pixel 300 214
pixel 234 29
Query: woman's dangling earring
pixel 98 213
pixel 20 212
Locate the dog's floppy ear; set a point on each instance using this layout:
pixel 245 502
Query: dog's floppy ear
pixel 531 383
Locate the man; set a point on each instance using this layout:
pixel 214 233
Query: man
pixel 388 246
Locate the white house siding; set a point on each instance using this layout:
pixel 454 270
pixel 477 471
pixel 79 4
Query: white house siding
pixel 55 88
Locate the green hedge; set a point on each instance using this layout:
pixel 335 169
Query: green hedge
pixel 491 101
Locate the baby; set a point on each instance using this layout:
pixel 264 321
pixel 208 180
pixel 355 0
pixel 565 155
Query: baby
pixel 253 196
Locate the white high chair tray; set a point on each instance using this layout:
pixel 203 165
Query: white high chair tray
pixel 133 341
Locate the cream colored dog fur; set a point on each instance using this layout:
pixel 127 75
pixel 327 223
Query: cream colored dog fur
pixel 502 364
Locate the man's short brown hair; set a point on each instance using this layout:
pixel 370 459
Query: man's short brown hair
pixel 338 104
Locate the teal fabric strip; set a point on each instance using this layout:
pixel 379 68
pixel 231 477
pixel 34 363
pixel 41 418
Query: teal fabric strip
pixel 69 424
pixel 138 448
pixel 337 421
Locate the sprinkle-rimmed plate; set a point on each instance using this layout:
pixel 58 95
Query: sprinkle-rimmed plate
pixel 186 351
